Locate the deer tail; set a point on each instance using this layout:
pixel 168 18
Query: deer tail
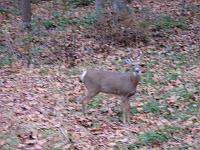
pixel 82 76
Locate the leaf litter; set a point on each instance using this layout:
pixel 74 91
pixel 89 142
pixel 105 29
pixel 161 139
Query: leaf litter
pixel 41 106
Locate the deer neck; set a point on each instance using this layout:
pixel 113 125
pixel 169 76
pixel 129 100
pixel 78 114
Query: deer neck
pixel 137 75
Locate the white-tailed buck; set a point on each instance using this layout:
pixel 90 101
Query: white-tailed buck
pixel 119 83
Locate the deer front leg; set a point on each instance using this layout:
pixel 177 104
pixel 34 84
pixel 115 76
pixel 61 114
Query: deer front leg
pixel 86 99
pixel 125 110
pixel 127 107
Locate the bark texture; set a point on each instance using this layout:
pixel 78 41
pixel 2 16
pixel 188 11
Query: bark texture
pixel 25 6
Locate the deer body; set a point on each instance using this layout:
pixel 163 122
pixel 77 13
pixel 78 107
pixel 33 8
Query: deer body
pixel 123 84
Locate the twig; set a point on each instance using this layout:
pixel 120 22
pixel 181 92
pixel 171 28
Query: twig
pixel 64 134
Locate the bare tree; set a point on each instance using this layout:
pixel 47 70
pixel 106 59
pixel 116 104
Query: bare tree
pixel 183 7
pixel 100 7
pixel 25 6
pixel 120 6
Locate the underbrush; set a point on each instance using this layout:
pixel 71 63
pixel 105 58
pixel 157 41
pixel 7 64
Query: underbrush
pixel 126 30
pixel 5 60
pixel 78 3
pixel 9 141
pixel 149 138
pixel 167 23
pixel 119 30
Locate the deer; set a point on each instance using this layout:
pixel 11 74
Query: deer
pixel 123 84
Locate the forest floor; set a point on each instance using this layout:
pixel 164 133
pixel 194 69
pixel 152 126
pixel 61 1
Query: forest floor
pixel 40 106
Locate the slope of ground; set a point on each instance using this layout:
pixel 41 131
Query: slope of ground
pixel 41 107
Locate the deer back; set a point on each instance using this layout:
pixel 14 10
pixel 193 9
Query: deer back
pixel 111 82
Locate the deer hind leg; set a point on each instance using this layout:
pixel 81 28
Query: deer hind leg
pixel 87 98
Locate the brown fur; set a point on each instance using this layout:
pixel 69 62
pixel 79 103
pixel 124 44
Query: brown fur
pixel 122 84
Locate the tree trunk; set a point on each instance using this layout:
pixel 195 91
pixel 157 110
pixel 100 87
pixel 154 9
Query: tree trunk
pixel 26 13
pixel 100 4
pixel 183 8
pixel 120 7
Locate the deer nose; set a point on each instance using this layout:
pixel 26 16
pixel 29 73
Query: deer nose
pixel 137 70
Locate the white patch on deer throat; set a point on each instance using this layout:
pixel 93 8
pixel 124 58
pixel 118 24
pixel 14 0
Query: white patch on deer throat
pixel 136 74
pixel 83 75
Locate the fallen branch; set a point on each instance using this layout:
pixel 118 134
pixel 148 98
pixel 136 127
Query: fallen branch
pixel 64 134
